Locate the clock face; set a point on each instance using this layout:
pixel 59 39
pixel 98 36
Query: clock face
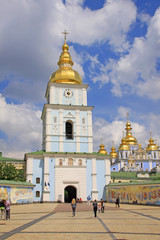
pixel 68 93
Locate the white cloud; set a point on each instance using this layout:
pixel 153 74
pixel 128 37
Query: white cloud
pixel 21 125
pixel 138 71
pixel 31 38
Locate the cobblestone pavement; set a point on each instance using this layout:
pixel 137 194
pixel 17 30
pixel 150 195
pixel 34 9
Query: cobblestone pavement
pixel 54 221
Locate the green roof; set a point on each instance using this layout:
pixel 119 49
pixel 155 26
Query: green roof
pixel 42 152
pixel 8 182
pixel 133 175
pixel 134 183
pixel 124 174
pixel 10 159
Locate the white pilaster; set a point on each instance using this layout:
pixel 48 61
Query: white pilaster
pixel 52 95
pixel 84 96
pixel 107 171
pixel 94 180
pixel 90 136
pixel 61 130
pixel 29 170
pixel 76 96
pixel 77 131
pixel 60 96
pixel 150 165
pixel 48 129
pixel 46 191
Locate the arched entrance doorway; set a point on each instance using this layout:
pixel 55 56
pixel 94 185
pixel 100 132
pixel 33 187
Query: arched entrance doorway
pixel 70 192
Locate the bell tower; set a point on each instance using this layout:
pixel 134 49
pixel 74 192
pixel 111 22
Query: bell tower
pixel 67 120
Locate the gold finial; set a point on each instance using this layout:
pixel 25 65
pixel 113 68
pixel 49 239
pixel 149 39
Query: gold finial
pixel 65 33
pixel 150 133
pixel 127 116
pixel 112 142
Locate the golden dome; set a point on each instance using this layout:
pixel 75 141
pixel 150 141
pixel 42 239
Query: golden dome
pixel 113 152
pixel 151 146
pixel 129 138
pixel 102 150
pixel 123 145
pixel 65 73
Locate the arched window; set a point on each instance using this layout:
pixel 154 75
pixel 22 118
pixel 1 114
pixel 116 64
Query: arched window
pixel 70 162
pixel 141 165
pixel 121 155
pixel 37 193
pixel 126 154
pixel 154 155
pixel 80 162
pixel 60 162
pixel 69 130
pixel 37 180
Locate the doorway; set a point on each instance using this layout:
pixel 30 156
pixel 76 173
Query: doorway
pixel 70 192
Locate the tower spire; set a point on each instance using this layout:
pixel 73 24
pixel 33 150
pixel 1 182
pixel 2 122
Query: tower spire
pixel 65 33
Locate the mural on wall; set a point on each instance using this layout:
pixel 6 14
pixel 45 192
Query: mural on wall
pixel 135 194
pixel 21 195
pixel 17 194
pixel 4 192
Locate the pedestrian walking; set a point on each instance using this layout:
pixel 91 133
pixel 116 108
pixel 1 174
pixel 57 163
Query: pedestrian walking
pixel 7 210
pixel 2 207
pixel 95 208
pixel 73 204
pixel 99 207
pixel 88 200
pixel 117 201
pixel 102 206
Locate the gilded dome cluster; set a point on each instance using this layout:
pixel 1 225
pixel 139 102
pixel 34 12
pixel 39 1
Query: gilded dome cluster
pixel 128 143
pixel 65 73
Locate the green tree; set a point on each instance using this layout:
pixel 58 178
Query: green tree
pixel 9 172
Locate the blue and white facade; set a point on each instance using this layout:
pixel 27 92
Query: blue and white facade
pixel 67 159
pixel 132 157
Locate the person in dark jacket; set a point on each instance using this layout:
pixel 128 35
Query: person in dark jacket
pixel 2 207
pixel 95 208
pixel 117 201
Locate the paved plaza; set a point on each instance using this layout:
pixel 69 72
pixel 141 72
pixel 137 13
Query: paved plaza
pixel 54 221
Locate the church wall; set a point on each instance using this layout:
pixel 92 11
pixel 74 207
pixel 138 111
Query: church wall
pixel 84 147
pixel 88 176
pixel 114 167
pixel 38 166
pixel 70 176
pixel 52 178
pixel 100 167
pixel 69 146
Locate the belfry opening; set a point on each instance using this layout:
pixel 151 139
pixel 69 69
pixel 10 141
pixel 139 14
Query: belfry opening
pixel 70 192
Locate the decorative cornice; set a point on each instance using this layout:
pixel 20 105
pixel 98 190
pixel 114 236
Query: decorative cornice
pixel 67 107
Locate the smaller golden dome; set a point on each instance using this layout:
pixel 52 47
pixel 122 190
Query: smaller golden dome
pixel 129 138
pixel 102 150
pixel 123 146
pixel 151 146
pixel 113 152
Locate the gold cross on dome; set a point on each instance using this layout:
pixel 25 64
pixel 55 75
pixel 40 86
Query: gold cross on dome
pixel 65 33
pixel 150 134
pixel 127 116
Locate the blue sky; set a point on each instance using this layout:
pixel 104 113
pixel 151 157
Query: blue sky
pixel 115 46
